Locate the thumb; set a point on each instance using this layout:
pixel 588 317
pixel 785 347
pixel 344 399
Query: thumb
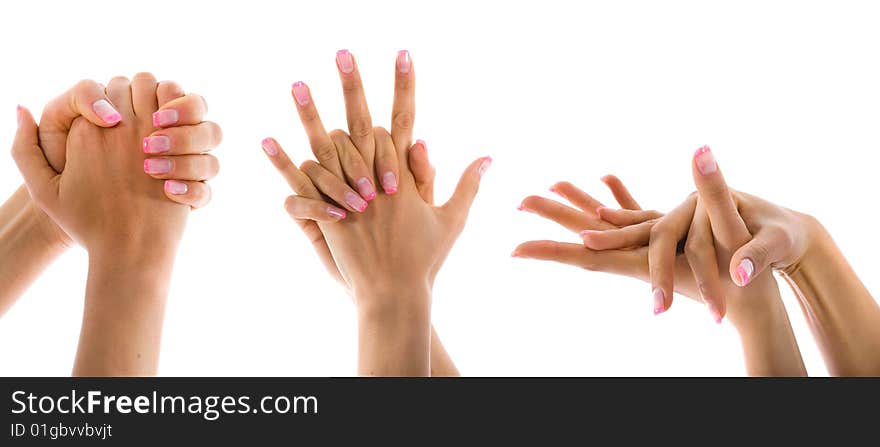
pixel 30 159
pixel 422 171
pixel 756 256
pixel 460 202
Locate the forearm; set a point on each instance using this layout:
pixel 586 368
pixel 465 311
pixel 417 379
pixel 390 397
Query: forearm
pixel 842 314
pixel 123 315
pixel 441 363
pixel 394 339
pixel 27 247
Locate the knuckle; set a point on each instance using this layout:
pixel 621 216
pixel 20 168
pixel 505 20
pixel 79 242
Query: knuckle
pixel 216 133
pixel 360 127
pixel 403 120
pixel 120 79
pixel 85 85
pixel 324 152
pixel 659 230
pixel 380 132
pixel 144 76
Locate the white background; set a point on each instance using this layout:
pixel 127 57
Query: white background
pixel 786 93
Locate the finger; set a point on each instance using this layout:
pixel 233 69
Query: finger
pixel 316 237
pixel 298 181
pixel 403 112
pixel 38 175
pixel 727 225
pixel 768 246
pixel 422 170
pixel 701 256
pixel 183 167
pixel 460 203
pixel 353 165
pixel 118 90
pixel 180 140
pixel 143 94
pixel 662 250
pixel 86 99
pixel 304 208
pixel 322 145
pixel 637 235
pixel 618 262
pixel 387 166
pixel 360 125
pixel 626 217
pixel 576 196
pixel 334 187
pixel 564 215
pixel 621 194
pixel 187 110
pixel 167 91
pixel 194 194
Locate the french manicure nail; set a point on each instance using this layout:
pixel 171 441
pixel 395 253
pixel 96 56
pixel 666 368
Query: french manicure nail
pixel 365 187
pixel 744 271
pixel 301 93
pixel 344 61
pixel 165 118
pixel 659 301
pixel 389 182
pixel 175 187
pixel 106 111
pixel 484 165
pixel 404 64
pixel 355 201
pixel 157 166
pixel 424 145
pixel 270 147
pixel 514 254
pixel 705 160
pixel 336 213
pixel 157 144
pixel 716 314
pixel 18 115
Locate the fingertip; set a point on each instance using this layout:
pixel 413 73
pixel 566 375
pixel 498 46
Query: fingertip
pixel 270 146
pixel 743 272
pixel 301 93
pixel 484 164
pixel 659 298
pixel 704 160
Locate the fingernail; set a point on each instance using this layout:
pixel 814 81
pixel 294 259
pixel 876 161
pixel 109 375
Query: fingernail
pixel 301 93
pixel 336 213
pixel 165 118
pixel 157 144
pixel 716 314
pixel 404 64
pixel 106 111
pixel 175 187
pixel 514 254
pixel 484 165
pixel 705 160
pixel 157 166
pixel 586 233
pixel 355 201
pixel 521 207
pixel 424 145
pixel 270 147
pixel 389 182
pixel 744 271
pixel 18 115
pixel 659 301
pixel 344 61
pixel 365 187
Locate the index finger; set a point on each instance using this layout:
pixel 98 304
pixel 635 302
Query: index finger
pixel 727 225
pixel 321 143
pixel 360 125
pixel 298 181
pixel 403 112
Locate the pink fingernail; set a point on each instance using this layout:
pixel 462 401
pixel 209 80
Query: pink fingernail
pixel 716 314
pixel 586 233
pixel 336 213
pixel 157 166
pixel 106 111
pixel 18 115
pixel 521 207
pixel 404 64
pixel 175 187
pixel 270 146
pixel 514 254
pixel 705 160
pixel 365 187
pixel 301 93
pixel 157 144
pixel 659 301
pixel 744 271
pixel 165 118
pixel 355 201
pixel 484 165
pixel 424 145
pixel 344 61
pixel 389 182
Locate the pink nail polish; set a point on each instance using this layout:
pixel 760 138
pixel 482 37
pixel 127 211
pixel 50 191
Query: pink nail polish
pixel 521 207
pixel 659 301
pixel 705 160
pixel 175 187
pixel 336 213
pixel 424 145
pixel 716 314
pixel 365 187
pixel 355 201
pixel 18 115
pixel 157 166
pixel 106 111
pixel 301 93
pixel 484 165
pixel 586 233
pixel 744 271
pixel 514 254
pixel 270 146
pixel 389 182
pixel 344 61
pixel 404 64
pixel 165 118
pixel 157 144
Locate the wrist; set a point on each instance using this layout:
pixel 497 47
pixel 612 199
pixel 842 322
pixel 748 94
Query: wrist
pixel 42 230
